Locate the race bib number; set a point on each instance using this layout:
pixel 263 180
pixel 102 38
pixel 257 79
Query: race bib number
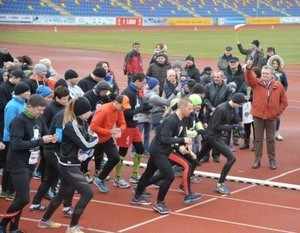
pixel 34 157
pixel 247 117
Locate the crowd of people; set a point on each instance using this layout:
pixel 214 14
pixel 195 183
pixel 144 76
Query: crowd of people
pixel 52 128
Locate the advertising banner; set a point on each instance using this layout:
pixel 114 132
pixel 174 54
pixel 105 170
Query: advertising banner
pixel 263 21
pixel 155 22
pixel 189 21
pixel 129 22
pixel 16 19
pixel 231 21
pixel 289 20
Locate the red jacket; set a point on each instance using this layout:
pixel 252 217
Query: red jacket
pixel 268 103
pixel 133 63
pixel 105 118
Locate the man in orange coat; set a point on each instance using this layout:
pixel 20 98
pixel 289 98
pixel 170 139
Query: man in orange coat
pixel 109 123
pixel 269 101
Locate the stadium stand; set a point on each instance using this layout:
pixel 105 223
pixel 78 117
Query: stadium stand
pixel 153 8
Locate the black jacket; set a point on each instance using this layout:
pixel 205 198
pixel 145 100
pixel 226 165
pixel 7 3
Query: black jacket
pixel 6 90
pixel 193 73
pixel 75 137
pixel 170 136
pixel 87 83
pixel 21 134
pixel 221 120
pixel 238 77
pixel 136 103
pixel 51 110
pixel 5 58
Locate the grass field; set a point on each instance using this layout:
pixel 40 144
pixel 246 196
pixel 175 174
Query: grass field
pixel 201 44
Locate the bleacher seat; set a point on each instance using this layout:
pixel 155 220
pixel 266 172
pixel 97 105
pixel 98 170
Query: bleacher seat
pixel 156 8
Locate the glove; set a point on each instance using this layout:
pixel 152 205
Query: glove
pixel 202 131
pixel 191 133
pixel 146 107
pixel 199 126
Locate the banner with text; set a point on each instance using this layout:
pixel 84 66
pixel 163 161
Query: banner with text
pixel 263 21
pixel 189 21
pixel 129 21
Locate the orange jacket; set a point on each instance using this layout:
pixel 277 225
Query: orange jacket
pixel 105 118
pixel 268 103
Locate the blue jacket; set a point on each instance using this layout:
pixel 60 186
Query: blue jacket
pixel 13 108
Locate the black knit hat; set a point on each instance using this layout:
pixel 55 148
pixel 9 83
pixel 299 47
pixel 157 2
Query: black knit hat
pixel 256 43
pixel 99 72
pixel 81 106
pixel 70 74
pixel 238 98
pixel 20 88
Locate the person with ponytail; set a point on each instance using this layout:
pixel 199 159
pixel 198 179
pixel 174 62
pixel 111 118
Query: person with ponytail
pixel 76 146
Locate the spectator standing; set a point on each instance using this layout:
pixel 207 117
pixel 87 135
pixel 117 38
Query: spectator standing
pixel 90 81
pixel 5 56
pixel 133 62
pixel 110 78
pixel 270 53
pixel 278 65
pixel 158 70
pixel 254 53
pixel 234 72
pixel 170 84
pixel 159 48
pixel 206 76
pixel 72 78
pixel 177 67
pixel 216 93
pixel 223 60
pixel 269 101
pixel 191 69
pixel 159 103
pixel 38 77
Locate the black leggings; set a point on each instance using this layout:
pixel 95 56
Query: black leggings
pixel 218 144
pixel 162 164
pixel 72 178
pixel 51 178
pixel 14 211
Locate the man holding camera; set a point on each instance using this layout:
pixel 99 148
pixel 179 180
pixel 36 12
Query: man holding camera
pixel 223 120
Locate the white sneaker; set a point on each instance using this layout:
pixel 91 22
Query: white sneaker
pixel 278 137
pixel 121 183
pixel 134 179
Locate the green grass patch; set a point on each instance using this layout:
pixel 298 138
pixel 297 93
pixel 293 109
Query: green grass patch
pixel 200 44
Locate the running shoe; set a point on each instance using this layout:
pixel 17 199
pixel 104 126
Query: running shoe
pixel 101 185
pixel 221 188
pixel 140 201
pixel 121 183
pixel 161 208
pixel 192 197
pixel 48 224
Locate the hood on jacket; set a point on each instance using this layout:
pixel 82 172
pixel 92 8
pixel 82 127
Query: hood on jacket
pixel 277 57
